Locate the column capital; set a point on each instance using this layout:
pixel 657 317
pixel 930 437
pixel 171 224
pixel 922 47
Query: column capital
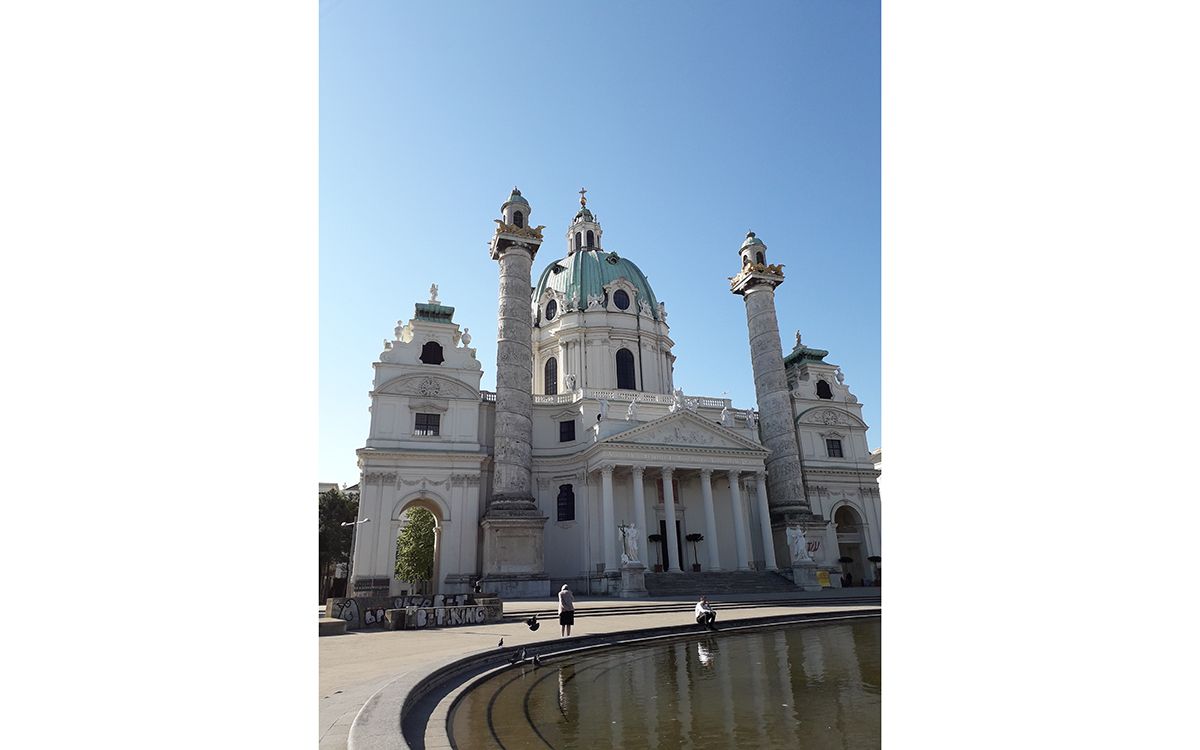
pixel 760 475
pixel 606 468
pixel 734 474
pixel 667 471
pixel 706 474
pixel 637 469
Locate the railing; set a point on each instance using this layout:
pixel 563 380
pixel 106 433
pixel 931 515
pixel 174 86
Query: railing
pixel 488 396
pixel 617 395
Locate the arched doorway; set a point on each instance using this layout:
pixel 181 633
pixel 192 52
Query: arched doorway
pixel 417 525
pixel 850 536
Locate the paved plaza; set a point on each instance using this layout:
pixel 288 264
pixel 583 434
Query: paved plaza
pixel 353 667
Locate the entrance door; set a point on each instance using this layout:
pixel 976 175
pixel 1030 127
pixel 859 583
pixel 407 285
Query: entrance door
pixel 662 548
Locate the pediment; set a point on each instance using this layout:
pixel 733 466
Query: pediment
pixel 684 430
pixel 827 415
pixel 429 386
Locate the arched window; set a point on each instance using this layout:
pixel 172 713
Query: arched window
pixel 431 353
pixel 578 240
pixel 551 376
pixel 518 219
pixel 846 520
pixel 591 238
pixel 566 502
pixel 626 377
pixel 621 299
pixel 745 260
pixel 823 390
pixel 758 256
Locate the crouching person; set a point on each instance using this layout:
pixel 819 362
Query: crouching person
pixel 704 614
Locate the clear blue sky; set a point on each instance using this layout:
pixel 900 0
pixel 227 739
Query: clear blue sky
pixel 688 123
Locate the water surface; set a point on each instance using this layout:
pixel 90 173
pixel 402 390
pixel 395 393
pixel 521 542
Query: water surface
pixel 813 686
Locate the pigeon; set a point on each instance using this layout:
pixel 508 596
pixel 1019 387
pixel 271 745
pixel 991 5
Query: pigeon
pixel 522 652
pixel 500 644
pixel 515 659
pixel 533 623
pixel 537 660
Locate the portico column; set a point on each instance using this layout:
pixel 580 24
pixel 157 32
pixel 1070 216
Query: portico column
pixel 739 521
pixel 710 520
pixel 669 509
pixel 437 560
pixel 609 535
pixel 764 521
pixel 639 509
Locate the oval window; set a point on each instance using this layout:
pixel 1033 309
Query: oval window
pixel 621 299
pixel 551 309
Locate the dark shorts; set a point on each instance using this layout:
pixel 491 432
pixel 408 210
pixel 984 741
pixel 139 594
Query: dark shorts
pixel 566 618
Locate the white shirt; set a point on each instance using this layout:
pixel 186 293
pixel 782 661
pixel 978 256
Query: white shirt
pixel 566 602
pixel 702 608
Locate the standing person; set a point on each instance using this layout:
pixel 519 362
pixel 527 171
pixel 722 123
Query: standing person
pixel 566 610
pixel 704 613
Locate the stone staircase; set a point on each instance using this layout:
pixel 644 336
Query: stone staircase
pixel 734 582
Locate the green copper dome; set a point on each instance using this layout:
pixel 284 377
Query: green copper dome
pixel 751 239
pixel 587 273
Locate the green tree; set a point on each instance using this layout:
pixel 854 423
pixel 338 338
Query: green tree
pixel 333 539
pixel 414 552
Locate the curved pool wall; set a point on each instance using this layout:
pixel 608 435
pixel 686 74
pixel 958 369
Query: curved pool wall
pixel 416 706
pixel 807 685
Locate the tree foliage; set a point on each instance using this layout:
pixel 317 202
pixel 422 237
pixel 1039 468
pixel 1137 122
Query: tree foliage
pixel 414 552
pixel 336 508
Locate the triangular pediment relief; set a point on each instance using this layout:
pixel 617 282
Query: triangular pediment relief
pixel 684 430
pixel 429 386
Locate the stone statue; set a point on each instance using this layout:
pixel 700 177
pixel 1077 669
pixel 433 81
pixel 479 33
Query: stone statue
pixel 798 344
pixel 595 302
pixel 751 420
pixel 387 345
pixel 677 400
pixel 644 306
pixel 433 300
pixel 603 409
pixel 573 301
pixel 629 538
pixel 662 312
pixel 466 336
pixel 569 380
pixel 726 417
pixel 797 544
pixel 841 376
pixel 631 412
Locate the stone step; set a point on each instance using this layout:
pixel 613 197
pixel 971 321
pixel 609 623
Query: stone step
pixel 724 582
pixel 332 626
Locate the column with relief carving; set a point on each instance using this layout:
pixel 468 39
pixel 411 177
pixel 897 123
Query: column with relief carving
pixel 513 539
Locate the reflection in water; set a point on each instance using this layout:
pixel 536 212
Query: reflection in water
pixel 795 687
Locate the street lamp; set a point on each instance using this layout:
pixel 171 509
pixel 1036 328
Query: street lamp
pixel 353 545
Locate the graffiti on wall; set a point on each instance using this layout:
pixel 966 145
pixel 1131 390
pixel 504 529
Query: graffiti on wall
pixel 373 616
pixel 438 617
pixel 346 609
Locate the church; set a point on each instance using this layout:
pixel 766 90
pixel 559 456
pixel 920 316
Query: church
pixel 589 465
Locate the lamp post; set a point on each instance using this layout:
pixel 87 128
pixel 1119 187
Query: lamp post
pixel 353 545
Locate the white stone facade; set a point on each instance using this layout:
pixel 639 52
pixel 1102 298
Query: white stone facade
pixel 598 455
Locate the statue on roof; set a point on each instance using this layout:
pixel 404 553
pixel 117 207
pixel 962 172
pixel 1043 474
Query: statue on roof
pixel 433 300
pixel 798 344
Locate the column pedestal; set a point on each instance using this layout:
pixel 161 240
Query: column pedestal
pixel 633 581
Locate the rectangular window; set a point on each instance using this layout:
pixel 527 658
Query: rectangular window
pixel 428 424
pixel 833 448
pixel 566 431
pixel 566 502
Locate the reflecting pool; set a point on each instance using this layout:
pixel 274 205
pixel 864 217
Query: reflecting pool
pixel 814 686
